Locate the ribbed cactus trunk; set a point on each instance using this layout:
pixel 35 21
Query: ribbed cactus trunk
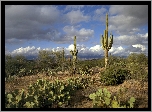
pixel 105 44
pixel 63 60
pixel 74 54
pixel 106 58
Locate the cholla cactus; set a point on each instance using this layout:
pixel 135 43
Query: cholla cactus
pixel 104 41
pixel 74 55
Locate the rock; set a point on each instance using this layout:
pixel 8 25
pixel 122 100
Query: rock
pixel 66 72
pixel 59 73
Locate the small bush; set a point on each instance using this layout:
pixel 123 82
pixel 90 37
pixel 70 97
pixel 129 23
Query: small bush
pixel 84 70
pixel 114 76
pixel 137 64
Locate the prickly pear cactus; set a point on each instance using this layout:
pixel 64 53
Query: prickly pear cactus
pixel 102 99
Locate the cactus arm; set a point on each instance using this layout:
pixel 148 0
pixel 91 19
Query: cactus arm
pixel 102 41
pixel 71 52
pixel 111 42
pixel 105 39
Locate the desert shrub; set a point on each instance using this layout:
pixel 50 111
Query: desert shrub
pixel 84 70
pixel 14 64
pixel 137 72
pixel 114 76
pixel 90 63
pixel 141 59
pixel 116 61
pixel 136 64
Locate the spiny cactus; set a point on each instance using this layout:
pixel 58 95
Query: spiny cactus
pixel 63 59
pixel 74 54
pixel 104 41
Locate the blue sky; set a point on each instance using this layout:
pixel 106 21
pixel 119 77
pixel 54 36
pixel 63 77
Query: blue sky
pixel 29 29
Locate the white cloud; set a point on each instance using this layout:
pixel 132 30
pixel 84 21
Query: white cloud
pixel 96 48
pixel 49 14
pixel 143 48
pixel 71 47
pixel 81 35
pixel 145 36
pixel 131 39
pixel 26 51
pixel 127 19
pixel 100 11
pixel 83 50
pixel 27 21
pixel 73 7
pixel 76 17
pixel 119 51
pixel 99 14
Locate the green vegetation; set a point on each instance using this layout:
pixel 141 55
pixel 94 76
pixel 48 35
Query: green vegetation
pixel 58 94
pixel 103 99
pixel 114 76
pixel 44 94
pixel 136 64
pixel 110 71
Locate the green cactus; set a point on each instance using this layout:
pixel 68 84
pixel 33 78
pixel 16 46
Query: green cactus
pixel 104 41
pixel 104 99
pixel 74 54
pixel 63 59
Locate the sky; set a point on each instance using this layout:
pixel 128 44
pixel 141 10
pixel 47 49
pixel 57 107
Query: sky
pixel 31 28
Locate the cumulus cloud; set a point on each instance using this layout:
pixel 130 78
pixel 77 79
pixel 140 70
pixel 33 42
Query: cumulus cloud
pixel 96 49
pixel 99 14
pixel 15 41
pixel 76 16
pixel 142 47
pixel 118 51
pixel 42 23
pixel 70 31
pixel 27 21
pixel 131 39
pixel 26 51
pixel 73 7
pixel 100 11
pixel 126 19
pixel 83 51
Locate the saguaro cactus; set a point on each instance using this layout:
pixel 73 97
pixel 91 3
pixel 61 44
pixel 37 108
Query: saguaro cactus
pixel 104 41
pixel 63 59
pixel 74 55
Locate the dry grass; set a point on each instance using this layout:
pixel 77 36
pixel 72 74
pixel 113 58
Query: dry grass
pixel 134 88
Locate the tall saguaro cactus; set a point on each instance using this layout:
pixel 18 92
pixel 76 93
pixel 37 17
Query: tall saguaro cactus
pixel 63 59
pixel 74 55
pixel 106 45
